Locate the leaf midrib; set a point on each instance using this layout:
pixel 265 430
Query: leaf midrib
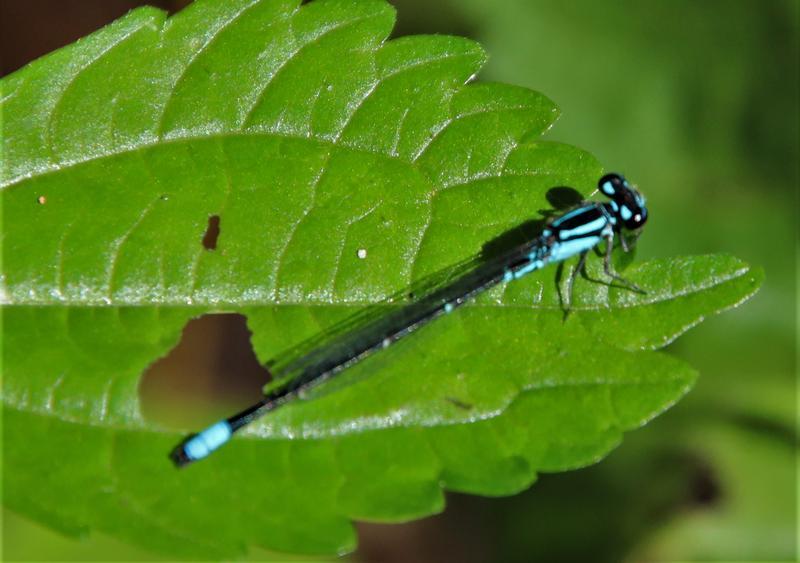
pixel 142 425
pixel 163 143
pixel 223 307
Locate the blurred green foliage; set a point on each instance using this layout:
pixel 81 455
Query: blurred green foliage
pixel 697 102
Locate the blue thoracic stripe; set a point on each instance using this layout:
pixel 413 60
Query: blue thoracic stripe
pixel 568 249
pixel 568 217
pixel 574 233
pixel 576 216
pixel 587 229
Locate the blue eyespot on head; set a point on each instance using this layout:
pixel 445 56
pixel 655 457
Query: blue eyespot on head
pixel 629 207
pixel 611 184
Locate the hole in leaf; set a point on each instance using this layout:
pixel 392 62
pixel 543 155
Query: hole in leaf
pixel 211 373
pixel 212 233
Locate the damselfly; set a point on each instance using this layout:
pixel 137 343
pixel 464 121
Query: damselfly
pixel 573 233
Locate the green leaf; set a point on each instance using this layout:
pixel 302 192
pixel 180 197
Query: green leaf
pixel 311 137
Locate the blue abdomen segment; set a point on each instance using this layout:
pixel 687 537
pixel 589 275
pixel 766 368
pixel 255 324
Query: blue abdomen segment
pixel 207 441
pixel 534 264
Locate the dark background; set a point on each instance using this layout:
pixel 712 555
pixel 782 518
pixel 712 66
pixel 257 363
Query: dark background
pixel 697 102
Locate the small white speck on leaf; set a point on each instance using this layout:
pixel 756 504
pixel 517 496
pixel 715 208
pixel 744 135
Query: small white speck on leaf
pixel 362 253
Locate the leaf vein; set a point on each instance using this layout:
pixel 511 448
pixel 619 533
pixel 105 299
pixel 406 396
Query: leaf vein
pixel 246 121
pixel 193 59
pixel 116 247
pixel 49 126
pixel 296 225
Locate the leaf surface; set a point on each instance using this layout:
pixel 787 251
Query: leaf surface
pixel 310 137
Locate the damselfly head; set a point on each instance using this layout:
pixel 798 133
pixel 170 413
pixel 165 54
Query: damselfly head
pixel 627 203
